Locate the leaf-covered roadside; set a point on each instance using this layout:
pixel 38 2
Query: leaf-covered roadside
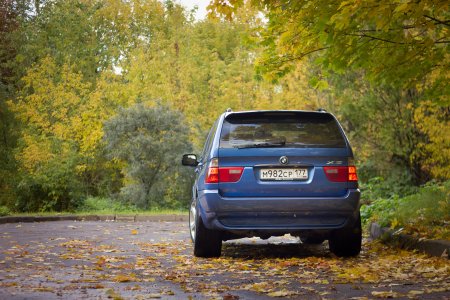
pixel 138 261
pixel 258 269
pixel 425 214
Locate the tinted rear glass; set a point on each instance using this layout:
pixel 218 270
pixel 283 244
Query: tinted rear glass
pixel 302 129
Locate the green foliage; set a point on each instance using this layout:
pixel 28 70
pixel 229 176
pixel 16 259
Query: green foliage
pixel 381 122
pixel 433 121
pixel 427 211
pixel 379 188
pixel 149 142
pixel 67 66
pixel 385 65
pixel 93 35
pixel 393 41
pixel 47 153
pixel 9 21
pixel 8 166
pixel 99 205
pixel 4 211
pixel 55 186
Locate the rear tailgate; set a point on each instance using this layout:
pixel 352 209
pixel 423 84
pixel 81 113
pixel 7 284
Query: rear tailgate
pixel 304 154
pixel 256 161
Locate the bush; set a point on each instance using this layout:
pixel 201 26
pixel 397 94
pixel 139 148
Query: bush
pixel 380 188
pixel 4 211
pixel 55 186
pixel 147 143
pixel 425 213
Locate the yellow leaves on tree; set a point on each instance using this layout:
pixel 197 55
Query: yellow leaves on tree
pixel 433 120
pixel 62 114
pixel 35 152
pixel 202 82
pixel 55 98
pixel 49 104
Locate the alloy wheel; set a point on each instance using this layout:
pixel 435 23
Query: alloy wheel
pixel 192 217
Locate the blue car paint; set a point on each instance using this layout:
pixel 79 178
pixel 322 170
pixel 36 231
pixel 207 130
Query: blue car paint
pixel 254 159
pixel 275 207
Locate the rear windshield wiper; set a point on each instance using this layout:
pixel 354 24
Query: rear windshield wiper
pixel 263 145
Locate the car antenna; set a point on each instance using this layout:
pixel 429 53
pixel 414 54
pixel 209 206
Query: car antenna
pixel 321 110
pixel 229 110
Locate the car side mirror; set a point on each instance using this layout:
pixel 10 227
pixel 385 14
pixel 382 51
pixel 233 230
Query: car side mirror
pixel 189 160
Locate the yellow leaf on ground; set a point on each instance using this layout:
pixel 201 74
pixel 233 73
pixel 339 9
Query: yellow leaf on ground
pixel 281 293
pixel 154 296
pixel 124 278
pixel 415 293
pixel 385 294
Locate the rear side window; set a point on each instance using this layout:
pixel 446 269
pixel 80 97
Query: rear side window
pixel 299 129
pixel 209 142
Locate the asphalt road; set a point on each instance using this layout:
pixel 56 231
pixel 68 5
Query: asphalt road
pixel 120 260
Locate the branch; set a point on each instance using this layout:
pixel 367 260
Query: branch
pixel 305 54
pixel 376 38
pixel 439 41
pixel 281 61
pixel 446 22
pixel 390 29
pixel 405 27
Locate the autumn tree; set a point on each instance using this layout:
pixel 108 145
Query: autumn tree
pixel 391 40
pixel 48 150
pixel 149 141
pixel 73 65
pixel 399 49
pixel 11 14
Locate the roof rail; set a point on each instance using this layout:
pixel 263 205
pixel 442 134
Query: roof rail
pixel 229 110
pixel 321 110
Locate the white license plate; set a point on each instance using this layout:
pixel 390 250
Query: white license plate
pixel 283 174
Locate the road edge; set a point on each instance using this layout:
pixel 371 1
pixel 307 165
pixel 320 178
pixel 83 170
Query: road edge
pixel 106 218
pixel 439 248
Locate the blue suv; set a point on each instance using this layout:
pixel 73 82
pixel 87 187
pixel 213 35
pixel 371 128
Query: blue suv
pixel 269 173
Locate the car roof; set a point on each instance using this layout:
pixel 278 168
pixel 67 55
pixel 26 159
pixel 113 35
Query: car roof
pixel 228 113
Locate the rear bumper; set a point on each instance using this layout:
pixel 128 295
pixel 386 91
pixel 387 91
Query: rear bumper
pixel 278 214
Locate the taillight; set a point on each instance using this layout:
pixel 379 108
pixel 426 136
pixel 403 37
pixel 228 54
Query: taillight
pixel 352 176
pixel 212 174
pixel 341 174
pixel 215 174
pixel 230 174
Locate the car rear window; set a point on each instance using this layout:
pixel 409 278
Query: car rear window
pixel 282 129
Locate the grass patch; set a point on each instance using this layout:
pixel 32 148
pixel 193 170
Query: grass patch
pixel 94 205
pixel 424 214
pixel 101 206
pixel 105 205
pixel 102 213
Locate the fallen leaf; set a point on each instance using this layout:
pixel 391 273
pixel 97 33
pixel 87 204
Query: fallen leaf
pixel 385 294
pixel 124 278
pixel 415 293
pixel 281 293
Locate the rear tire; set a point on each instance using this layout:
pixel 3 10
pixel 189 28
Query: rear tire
pixel 346 242
pixel 207 242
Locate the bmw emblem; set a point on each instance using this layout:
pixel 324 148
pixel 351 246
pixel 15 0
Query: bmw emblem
pixel 284 160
